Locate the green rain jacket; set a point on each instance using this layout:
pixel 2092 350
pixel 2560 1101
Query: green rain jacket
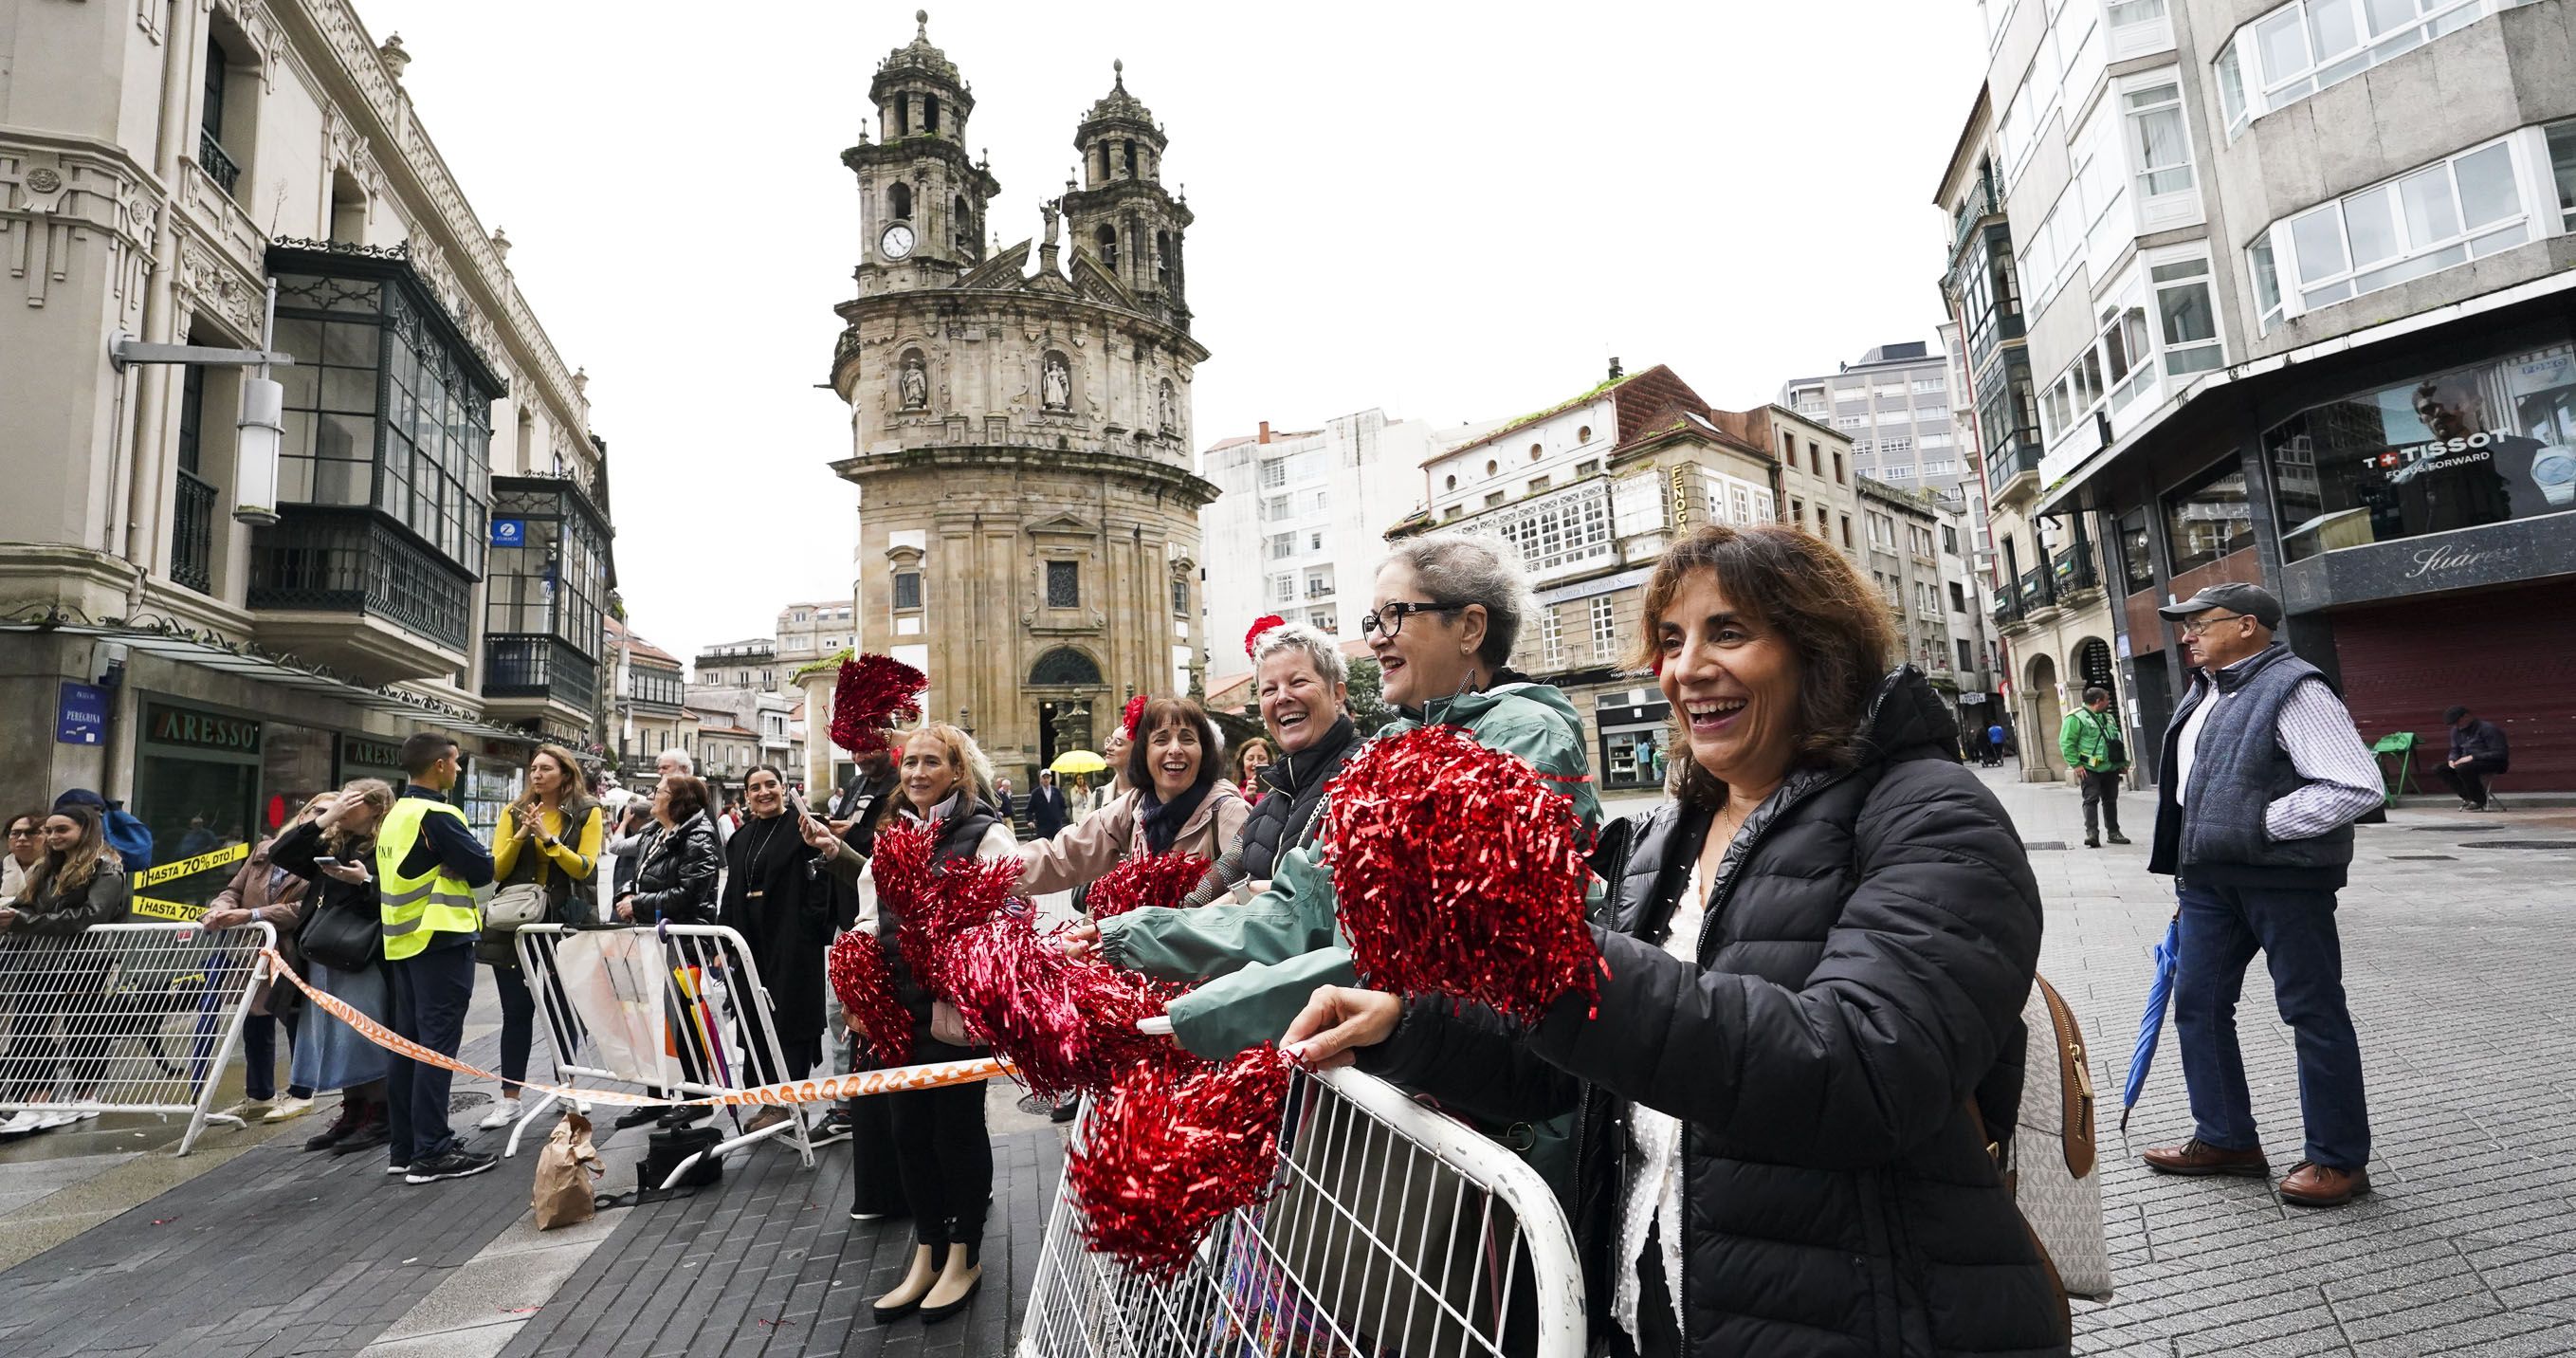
pixel 1262 959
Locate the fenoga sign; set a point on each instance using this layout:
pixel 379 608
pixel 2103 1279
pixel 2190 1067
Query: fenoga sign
pixel 201 730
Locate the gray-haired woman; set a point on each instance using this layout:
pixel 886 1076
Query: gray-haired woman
pixel 1448 609
pixel 1305 691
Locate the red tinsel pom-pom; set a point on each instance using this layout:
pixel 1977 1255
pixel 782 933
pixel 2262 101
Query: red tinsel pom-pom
pixel 1134 713
pixel 1171 1151
pixel 1141 880
pixel 1458 871
pixel 874 692
pixel 865 984
pixel 1260 625
pixel 1064 1024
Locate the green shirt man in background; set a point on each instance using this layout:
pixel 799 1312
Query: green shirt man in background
pixel 2090 740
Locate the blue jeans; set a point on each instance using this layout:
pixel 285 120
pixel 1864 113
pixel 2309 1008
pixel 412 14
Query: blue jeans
pixel 431 992
pixel 2222 928
pixel 259 1055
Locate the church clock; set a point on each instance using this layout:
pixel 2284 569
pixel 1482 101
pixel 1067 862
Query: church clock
pixel 896 242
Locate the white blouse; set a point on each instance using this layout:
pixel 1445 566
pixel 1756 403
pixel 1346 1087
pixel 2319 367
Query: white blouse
pixel 1652 1207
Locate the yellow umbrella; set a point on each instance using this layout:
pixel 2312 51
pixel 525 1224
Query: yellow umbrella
pixel 1074 762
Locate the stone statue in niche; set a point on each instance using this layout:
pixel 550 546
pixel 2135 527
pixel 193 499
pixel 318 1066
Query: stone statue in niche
pixel 1056 387
pixel 1169 408
pixel 915 383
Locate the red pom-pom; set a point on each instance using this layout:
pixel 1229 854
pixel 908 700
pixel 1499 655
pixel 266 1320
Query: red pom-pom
pixel 1260 625
pixel 1141 880
pixel 873 693
pixel 1458 871
pixel 1135 713
pixel 1064 1024
pixel 1170 1152
pixel 865 985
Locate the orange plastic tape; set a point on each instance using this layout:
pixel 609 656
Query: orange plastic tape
pixel 831 1089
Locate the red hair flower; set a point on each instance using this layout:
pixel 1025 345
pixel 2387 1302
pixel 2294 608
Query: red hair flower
pixel 1135 713
pixel 1260 625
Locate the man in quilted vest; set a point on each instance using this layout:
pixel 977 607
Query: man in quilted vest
pixel 2262 777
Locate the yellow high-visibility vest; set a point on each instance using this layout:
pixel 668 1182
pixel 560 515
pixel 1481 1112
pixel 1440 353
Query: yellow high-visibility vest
pixel 415 907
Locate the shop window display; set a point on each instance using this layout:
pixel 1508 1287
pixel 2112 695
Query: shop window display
pixel 2461 448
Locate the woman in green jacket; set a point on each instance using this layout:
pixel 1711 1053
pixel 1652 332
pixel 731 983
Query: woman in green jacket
pixel 1448 609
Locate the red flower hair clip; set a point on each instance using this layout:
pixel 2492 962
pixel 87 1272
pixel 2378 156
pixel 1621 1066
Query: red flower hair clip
pixel 1135 713
pixel 1260 625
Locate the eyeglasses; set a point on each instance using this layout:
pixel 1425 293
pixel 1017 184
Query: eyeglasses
pixel 1392 616
pixel 2200 626
pixel 16 833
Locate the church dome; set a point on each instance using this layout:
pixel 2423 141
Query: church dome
pixel 1119 111
pixel 918 56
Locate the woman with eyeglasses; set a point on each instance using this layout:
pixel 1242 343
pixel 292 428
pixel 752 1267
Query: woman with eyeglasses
pixel 26 845
pixel 1448 610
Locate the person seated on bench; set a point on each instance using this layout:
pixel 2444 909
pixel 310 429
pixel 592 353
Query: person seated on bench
pixel 2477 753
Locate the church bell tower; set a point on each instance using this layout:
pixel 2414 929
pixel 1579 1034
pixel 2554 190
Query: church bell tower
pixel 1122 216
pixel 921 198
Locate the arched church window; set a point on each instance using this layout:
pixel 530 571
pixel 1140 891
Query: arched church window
pixel 962 220
pixel 930 114
pixel 899 201
pixel 1131 158
pixel 1163 258
pixel 1107 239
pixel 902 116
pixel 1103 148
pixel 1065 666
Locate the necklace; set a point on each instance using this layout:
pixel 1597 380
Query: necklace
pixel 751 861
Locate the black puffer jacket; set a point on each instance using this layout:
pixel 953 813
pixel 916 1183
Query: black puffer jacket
pixel 1280 822
pixel 675 875
pixel 1867 949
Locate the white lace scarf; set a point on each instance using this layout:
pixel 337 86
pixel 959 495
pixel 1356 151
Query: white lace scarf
pixel 1652 1206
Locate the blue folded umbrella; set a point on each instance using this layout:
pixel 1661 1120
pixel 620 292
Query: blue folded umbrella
pixel 2151 1025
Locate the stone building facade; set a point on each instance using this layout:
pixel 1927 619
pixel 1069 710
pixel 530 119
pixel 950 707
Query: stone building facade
pixel 1020 423
pixel 439 551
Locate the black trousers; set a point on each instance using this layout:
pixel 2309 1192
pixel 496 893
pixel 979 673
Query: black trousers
pixel 944 1157
pixel 2469 780
pixel 2101 789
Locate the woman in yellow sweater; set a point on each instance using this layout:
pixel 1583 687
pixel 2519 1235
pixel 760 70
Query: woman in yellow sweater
pixel 549 836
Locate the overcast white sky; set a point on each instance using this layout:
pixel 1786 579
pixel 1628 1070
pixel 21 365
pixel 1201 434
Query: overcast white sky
pixel 1448 211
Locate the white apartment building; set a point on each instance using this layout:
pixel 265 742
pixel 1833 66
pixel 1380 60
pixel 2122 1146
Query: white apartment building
pixel 1894 404
pixel 1301 527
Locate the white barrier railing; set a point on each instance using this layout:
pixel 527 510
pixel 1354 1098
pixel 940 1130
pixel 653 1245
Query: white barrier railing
pixel 125 1018
pixel 1395 1231
pixel 675 1008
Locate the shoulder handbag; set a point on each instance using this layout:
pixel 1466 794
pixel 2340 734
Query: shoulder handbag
pixel 2050 1160
pixel 517 905
pixel 340 935
pixel 2114 749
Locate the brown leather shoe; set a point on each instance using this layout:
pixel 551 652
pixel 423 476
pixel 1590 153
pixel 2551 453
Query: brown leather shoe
pixel 2313 1185
pixel 2199 1157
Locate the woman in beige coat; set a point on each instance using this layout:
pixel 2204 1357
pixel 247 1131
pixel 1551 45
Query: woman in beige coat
pixel 1175 800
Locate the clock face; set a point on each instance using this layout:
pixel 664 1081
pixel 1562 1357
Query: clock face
pixel 896 242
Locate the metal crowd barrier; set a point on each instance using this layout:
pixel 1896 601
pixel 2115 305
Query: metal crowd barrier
pixel 125 1018
pixel 1395 1232
pixel 673 1008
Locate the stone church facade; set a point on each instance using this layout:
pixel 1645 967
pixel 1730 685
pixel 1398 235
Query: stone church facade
pixel 1020 423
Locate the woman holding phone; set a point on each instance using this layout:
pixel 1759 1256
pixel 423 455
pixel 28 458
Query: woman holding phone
pixel 342 939
pixel 550 838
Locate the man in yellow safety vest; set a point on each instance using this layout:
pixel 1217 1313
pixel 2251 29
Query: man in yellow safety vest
pixel 428 863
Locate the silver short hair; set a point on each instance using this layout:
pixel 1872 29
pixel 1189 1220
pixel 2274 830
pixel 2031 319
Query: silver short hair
pixel 1458 569
pixel 688 766
pixel 1297 636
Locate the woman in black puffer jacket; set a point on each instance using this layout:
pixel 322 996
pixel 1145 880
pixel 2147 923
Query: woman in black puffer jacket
pixel 1818 955
pixel 677 866
pixel 1305 694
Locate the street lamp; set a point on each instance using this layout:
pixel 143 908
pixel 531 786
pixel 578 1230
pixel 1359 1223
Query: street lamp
pixel 260 430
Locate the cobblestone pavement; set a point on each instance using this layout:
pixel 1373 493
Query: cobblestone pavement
pixel 2457 950
pixel 2459 936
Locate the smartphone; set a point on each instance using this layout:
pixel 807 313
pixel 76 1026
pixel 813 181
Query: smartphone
pixel 326 861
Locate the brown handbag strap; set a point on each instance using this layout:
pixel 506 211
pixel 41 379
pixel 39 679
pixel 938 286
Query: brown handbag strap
pixel 2074 1079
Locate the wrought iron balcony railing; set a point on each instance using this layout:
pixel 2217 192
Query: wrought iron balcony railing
pixel 192 535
